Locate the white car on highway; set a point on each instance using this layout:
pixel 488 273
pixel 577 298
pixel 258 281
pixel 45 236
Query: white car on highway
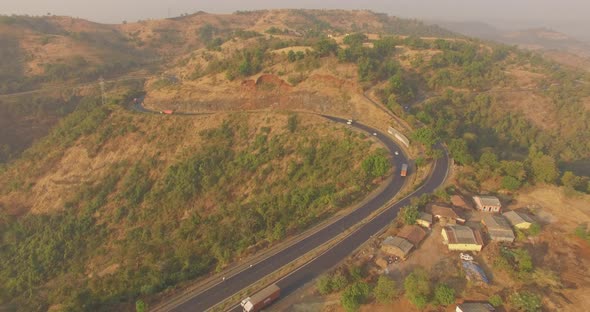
pixel 396 153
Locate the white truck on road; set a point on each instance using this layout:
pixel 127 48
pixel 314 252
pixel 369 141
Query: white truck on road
pixel 261 299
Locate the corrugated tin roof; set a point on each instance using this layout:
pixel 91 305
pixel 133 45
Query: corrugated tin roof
pixel 488 200
pixel 498 228
pixel 425 217
pixel 502 235
pixel 516 218
pixel 412 233
pixel 398 242
pixel 495 222
pixel 460 234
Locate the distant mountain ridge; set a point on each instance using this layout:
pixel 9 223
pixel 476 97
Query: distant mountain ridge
pixel 540 38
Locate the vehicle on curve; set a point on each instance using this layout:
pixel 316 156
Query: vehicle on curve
pixel 349 122
pixel 261 299
pixel 404 171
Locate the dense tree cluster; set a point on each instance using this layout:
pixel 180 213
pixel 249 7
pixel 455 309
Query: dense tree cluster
pixel 473 131
pixel 386 289
pixel 354 295
pixel 377 164
pixel 417 288
pixel 465 64
pixel 356 291
pixel 410 214
pixel 469 122
pixel 444 295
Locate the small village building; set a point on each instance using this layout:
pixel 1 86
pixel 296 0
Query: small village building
pixel 475 307
pixel 396 246
pixel 487 203
pixel 463 238
pixel 459 202
pixel 413 234
pixel 425 219
pixel 498 228
pixel 519 220
pixel 446 215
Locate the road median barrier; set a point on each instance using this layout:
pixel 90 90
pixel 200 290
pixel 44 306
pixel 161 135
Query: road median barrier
pixel 300 262
pixel 213 279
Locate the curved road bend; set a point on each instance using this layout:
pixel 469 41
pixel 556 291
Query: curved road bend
pixel 347 246
pixel 232 284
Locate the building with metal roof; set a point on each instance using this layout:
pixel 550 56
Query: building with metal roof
pixel 487 203
pixel 518 220
pixel 413 234
pixel 396 246
pixel 425 219
pixel 460 237
pixel 498 228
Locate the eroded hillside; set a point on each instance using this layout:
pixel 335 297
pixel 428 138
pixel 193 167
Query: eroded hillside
pixel 59 57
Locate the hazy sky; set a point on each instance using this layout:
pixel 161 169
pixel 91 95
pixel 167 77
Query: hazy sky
pixel 115 11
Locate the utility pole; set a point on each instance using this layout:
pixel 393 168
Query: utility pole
pixel 102 94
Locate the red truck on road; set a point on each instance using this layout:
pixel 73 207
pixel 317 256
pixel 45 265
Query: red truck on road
pixel 261 299
pixel 404 170
pixel 167 112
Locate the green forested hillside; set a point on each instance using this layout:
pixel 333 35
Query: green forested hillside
pixel 158 220
pixel 455 96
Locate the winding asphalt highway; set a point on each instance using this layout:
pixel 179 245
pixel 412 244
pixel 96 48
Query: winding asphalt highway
pixel 208 298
